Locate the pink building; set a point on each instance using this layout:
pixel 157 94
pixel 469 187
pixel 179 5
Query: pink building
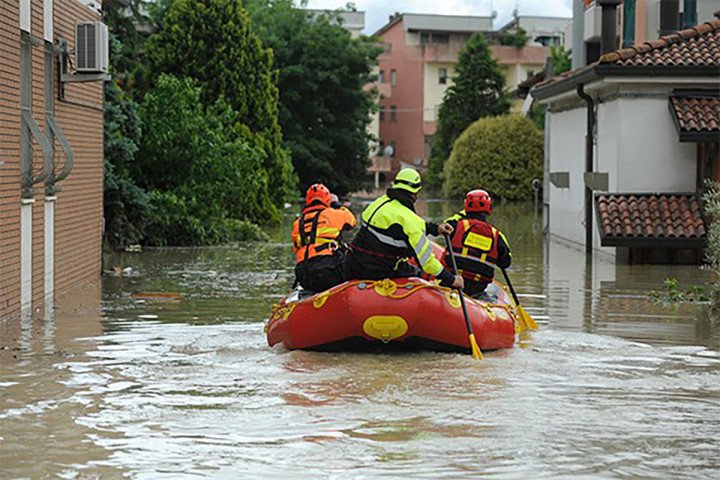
pixel 417 67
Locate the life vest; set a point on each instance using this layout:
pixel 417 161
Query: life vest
pixel 475 244
pixel 392 232
pixel 318 230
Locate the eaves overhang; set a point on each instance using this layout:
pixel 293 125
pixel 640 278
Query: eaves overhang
pixel 594 73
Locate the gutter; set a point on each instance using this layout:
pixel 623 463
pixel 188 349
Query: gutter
pixel 589 141
pixel 596 72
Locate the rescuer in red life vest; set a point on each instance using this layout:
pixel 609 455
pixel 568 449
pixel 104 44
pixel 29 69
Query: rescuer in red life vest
pixel 316 240
pixel 478 246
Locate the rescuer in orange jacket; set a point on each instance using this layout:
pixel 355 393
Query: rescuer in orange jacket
pixel 316 240
pixel 478 245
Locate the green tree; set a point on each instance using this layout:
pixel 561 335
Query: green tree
pixel 561 59
pixel 499 154
pixel 517 38
pixel 478 91
pixel 202 176
pixel 125 204
pixel 324 107
pixel 212 42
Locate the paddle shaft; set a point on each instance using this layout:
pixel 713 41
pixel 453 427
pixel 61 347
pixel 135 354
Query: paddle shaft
pixel 460 290
pixel 509 284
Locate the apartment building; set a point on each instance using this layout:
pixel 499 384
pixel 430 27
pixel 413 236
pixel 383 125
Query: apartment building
pixel 51 150
pixel 545 31
pixel 416 69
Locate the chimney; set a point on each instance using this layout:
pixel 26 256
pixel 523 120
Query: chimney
pixel 608 28
pixel 669 16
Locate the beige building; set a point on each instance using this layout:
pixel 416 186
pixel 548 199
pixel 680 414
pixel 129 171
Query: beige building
pixel 51 151
pixel 416 69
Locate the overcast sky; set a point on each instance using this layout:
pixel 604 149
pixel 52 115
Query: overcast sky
pixel 377 11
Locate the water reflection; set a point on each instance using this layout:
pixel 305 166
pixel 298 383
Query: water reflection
pixel 136 385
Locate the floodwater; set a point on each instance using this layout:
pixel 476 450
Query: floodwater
pixel 113 385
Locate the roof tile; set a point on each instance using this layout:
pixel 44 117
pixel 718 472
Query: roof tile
pixel 697 113
pixel 698 46
pixel 650 216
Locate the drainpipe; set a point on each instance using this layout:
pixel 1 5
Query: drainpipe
pixel 589 141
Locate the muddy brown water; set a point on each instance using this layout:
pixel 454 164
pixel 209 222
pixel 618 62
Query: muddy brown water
pixel 109 385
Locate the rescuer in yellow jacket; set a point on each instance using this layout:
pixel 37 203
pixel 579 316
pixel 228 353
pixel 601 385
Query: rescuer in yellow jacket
pixel 316 240
pixel 391 233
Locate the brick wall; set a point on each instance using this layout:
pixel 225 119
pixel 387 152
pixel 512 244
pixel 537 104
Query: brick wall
pixel 10 154
pixel 78 211
pixel 79 214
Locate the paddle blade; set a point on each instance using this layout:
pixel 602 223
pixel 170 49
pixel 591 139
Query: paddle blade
pixel 525 320
pixel 476 353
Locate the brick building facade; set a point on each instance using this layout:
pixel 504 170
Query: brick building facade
pixel 57 245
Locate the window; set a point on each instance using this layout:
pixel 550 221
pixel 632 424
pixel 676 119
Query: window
pixel 424 38
pixel 393 77
pixel 382 114
pixel 381 147
pixel 442 76
pixel 381 76
pixel 442 38
pixel 393 113
pixel 393 148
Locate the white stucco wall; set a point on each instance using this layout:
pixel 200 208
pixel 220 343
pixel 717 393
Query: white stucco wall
pixel 433 90
pixel 636 144
pixel 567 154
pixel 650 156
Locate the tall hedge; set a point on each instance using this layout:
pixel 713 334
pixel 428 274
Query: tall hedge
pixel 499 154
pixel 212 42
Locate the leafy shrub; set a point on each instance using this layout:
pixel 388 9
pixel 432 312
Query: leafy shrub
pixel 500 154
pixel 212 42
pixel 125 204
pixel 204 179
pixel 712 212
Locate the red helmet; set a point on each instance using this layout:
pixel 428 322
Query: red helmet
pixel 318 192
pixel 478 201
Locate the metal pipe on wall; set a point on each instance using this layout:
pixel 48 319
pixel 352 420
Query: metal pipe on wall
pixel 589 143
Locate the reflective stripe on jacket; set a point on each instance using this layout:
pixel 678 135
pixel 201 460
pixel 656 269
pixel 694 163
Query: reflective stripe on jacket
pixel 318 230
pixel 390 229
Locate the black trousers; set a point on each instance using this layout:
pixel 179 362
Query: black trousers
pixel 473 288
pixel 321 273
pixel 362 266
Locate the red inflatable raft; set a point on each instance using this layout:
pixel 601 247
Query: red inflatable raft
pixel 407 313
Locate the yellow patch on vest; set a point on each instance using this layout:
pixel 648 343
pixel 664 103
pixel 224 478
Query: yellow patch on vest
pixel 480 242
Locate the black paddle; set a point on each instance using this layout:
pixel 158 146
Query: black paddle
pixel 476 352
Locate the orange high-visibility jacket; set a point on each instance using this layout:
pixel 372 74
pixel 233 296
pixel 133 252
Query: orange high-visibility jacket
pixel 318 230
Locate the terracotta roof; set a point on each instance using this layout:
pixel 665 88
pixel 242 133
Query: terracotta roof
pixel 695 46
pixel 663 218
pixel 696 113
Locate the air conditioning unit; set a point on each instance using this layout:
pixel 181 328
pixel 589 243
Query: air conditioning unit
pixel 91 47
